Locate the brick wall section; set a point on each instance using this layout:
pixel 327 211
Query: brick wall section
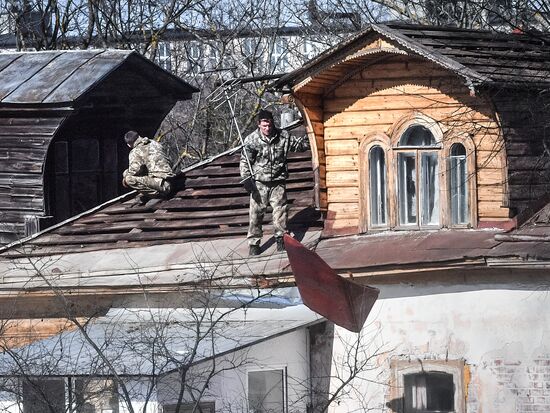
pixel 529 383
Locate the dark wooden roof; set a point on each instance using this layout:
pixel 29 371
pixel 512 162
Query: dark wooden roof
pixel 481 57
pixel 210 203
pixel 55 77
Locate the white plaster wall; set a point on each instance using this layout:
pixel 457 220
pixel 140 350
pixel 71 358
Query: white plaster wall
pixel 229 388
pixel 502 332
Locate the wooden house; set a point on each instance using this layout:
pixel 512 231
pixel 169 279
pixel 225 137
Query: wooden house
pixel 62 116
pixel 427 127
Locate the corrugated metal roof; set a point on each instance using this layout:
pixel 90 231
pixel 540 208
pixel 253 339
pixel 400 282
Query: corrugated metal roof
pixel 482 57
pixel 54 77
pixel 153 341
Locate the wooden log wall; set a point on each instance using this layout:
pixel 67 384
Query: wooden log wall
pixel 375 100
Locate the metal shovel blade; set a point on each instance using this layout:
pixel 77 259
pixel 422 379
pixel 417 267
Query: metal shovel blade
pixel 339 300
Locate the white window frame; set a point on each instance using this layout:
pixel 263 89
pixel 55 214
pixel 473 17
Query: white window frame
pixel 370 141
pixel 390 143
pixel 284 370
pixel 418 153
pixel 400 368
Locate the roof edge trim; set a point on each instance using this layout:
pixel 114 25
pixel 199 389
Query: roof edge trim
pixel 471 76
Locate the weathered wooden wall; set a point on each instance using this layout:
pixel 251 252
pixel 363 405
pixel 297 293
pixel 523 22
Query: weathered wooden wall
pixel 525 119
pixel 126 99
pixel 24 139
pixel 374 101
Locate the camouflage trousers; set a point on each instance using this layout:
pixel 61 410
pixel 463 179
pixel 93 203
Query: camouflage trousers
pixel 267 193
pixel 148 185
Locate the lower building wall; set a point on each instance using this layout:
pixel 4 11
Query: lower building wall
pixel 493 338
pixel 228 389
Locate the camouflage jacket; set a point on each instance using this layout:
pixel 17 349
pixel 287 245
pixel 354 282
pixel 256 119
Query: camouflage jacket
pixel 268 155
pixel 147 157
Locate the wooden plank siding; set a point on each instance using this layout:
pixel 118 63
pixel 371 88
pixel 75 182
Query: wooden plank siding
pixel 374 101
pixel 24 143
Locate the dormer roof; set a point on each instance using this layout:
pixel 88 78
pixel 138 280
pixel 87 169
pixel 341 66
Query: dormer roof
pixel 64 76
pixel 481 58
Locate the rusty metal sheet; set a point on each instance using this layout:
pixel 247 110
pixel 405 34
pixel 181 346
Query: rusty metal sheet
pixel 534 250
pixel 341 301
pixel 45 81
pixel 402 248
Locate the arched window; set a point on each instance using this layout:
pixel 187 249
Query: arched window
pixel 378 204
pixel 418 177
pixel 458 175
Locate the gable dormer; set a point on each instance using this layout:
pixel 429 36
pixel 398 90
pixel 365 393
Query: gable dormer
pixel 62 116
pixel 410 127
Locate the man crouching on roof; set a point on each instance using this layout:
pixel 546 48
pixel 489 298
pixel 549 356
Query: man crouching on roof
pixel 265 152
pixel 149 170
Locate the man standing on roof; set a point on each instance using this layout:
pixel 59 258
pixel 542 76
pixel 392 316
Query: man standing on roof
pixel 149 170
pixel 264 169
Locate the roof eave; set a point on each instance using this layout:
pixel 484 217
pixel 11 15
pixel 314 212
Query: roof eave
pixel 472 78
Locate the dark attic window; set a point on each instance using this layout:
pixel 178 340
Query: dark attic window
pixel 429 392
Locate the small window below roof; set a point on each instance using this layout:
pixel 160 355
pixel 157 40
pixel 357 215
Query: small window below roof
pixel 427 386
pixel 428 392
pixel 266 391
pixel 41 394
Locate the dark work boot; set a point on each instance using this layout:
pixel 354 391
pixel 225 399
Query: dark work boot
pixel 280 244
pixel 254 250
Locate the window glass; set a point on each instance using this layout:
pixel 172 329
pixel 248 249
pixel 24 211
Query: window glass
pixel 43 395
pixel 377 185
pixel 406 166
pixel 96 395
pixel 417 135
pixel 429 188
pixel 458 179
pixel 429 392
pixel 266 391
pixel 418 178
